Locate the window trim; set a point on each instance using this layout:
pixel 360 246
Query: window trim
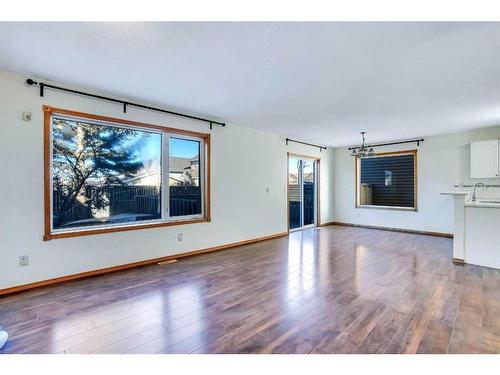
pixel 49 234
pixel 357 177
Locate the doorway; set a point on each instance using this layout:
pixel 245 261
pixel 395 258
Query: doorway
pixel 303 200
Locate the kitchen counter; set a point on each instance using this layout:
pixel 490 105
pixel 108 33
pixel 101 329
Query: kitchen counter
pixel 480 204
pixel 456 192
pixel 476 235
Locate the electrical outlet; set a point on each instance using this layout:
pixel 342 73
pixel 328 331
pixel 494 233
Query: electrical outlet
pixel 267 189
pixel 23 261
pixel 179 237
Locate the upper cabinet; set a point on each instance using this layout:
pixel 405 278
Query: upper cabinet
pixel 484 159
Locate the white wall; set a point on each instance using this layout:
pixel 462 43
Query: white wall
pixel 244 162
pixel 443 161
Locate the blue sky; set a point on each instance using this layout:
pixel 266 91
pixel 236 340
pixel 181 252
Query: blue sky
pixel 180 148
pixel 183 148
pixel 149 147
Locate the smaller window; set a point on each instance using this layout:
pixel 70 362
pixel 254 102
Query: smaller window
pixel 387 180
pixel 184 177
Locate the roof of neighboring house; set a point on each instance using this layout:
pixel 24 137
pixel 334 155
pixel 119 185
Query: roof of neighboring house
pixel 293 178
pixel 151 167
pixel 178 165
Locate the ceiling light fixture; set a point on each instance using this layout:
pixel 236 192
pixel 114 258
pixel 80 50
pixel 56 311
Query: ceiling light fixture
pixel 363 151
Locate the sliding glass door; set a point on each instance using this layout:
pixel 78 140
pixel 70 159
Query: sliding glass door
pixel 294 192
pixel 302 192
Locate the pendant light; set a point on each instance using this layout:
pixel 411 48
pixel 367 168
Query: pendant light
pixel 363 151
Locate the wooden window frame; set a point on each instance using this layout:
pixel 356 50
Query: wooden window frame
pixel 357 163
pixel 318 198
pixel 169 221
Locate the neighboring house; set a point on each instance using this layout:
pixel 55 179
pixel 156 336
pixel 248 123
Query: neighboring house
pixel 293 179
pixel 183 171
pixel 294 186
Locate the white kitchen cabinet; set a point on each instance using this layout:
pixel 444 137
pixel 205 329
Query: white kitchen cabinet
pixel 484 159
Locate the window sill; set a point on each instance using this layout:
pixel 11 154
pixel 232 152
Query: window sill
pixel 125 228
pixel 393 208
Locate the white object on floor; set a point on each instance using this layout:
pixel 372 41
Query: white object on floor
pixel 3 338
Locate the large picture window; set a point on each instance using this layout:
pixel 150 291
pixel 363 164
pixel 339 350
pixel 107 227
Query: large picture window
pixel 387 180
pixel 107 174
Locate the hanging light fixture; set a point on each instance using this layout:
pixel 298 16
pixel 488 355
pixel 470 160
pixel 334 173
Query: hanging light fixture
pixel 363 150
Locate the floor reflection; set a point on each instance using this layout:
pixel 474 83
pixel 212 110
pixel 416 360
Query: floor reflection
pixel 359 253
pixel 301 264
pixel 183 306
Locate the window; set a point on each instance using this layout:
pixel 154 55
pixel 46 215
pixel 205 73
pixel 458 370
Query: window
pixel 184 177
pixel 387 180
pixel 107 174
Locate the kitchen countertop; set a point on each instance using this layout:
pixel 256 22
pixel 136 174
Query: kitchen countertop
pixel 482 204
pixel 469 203
pixel 455 192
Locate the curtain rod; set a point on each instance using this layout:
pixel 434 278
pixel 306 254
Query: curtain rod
pixel 417 141
pixel 305 143
pixel 43 85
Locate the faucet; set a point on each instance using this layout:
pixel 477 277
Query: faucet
pixel 476 185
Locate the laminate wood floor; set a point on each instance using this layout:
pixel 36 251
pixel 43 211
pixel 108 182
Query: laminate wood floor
pixel 329 290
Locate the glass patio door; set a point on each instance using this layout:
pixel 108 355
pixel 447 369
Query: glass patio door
pixel 302 192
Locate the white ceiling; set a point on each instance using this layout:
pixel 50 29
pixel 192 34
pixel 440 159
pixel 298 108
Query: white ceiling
pixel 318 82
